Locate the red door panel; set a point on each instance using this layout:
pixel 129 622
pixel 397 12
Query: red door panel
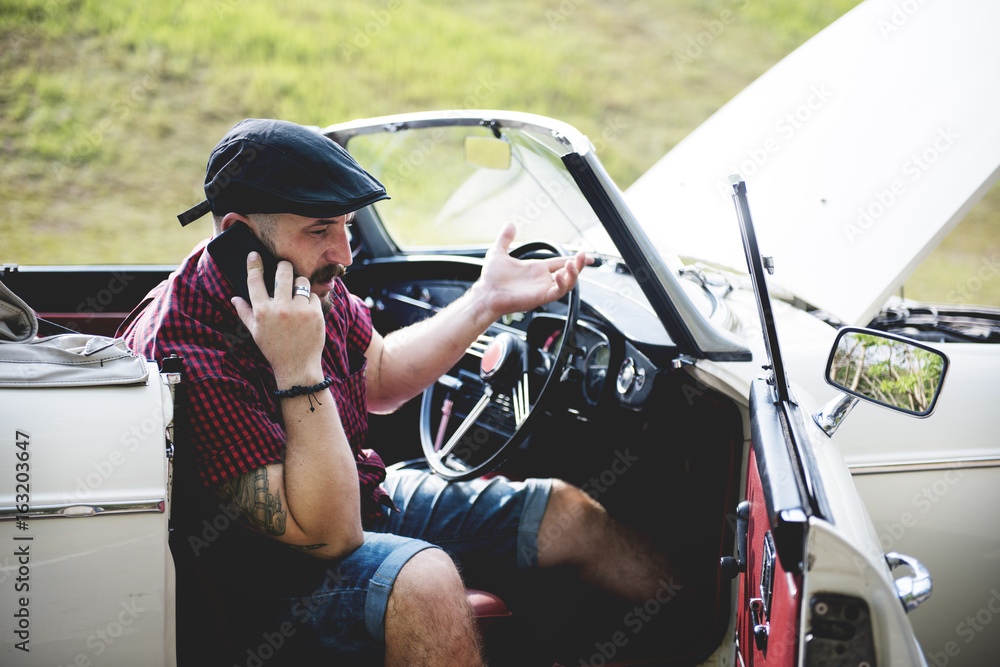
pixel 774 615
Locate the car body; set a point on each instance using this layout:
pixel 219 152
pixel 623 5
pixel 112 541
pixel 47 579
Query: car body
pixel 644 376
pixel 863 149
pixel 664 393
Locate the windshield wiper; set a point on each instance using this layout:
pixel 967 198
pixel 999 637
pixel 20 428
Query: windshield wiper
pixel 711 279
pixel 966 325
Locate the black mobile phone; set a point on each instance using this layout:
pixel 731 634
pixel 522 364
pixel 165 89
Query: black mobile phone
pixel 230 249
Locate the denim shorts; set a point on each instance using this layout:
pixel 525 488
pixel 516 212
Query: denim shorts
pixel 337 608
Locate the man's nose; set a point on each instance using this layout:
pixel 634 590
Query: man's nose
pixel 339 251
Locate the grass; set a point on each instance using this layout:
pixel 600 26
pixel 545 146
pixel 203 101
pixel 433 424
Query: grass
pixel 108 108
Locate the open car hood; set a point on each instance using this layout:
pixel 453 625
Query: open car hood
pixel 863 149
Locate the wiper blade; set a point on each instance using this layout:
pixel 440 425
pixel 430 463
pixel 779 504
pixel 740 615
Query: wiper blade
pixel 708 277
pixel 962 324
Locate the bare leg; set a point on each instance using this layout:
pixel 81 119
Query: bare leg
pixel 577 531
pixel 428 620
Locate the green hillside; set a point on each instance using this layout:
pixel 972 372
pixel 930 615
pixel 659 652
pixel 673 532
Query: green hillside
pixel 108 108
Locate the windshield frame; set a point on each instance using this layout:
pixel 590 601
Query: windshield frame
pixel 695 335
pixel 548 204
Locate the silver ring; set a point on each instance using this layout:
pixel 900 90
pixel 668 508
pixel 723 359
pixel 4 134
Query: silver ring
pixel 301 290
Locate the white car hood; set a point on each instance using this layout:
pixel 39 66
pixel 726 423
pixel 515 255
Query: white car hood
pixel 861 151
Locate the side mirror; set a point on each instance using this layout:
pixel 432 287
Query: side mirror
pixel 886 369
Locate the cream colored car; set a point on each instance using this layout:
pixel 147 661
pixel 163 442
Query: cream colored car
pixel 660 387
pixel 863 150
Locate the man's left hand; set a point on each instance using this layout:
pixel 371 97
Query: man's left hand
pixel 514 285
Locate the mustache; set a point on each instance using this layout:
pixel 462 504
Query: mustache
pixel 328 273
pixel 321 275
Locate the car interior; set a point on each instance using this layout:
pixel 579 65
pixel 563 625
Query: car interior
pixel 589 389
pixel 659 451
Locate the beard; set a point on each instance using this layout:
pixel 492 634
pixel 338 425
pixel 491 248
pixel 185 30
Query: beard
pixel 328 273
pixel 321 275
pixel 325 275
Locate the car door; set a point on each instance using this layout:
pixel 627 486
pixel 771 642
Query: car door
pixel 87 576
pixel 812 578
pixel 814 587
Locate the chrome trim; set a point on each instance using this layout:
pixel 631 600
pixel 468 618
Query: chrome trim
pixel 478 346
pixel 913 591
pixel 410 301
pixel 831 416
pixel 467 423
pixel 925 466
pixel 520 402
pixel 84 510
pixel 626 376
pixel 567 135
pixel 594 330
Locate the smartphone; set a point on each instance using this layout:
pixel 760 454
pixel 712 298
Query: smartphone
pixel 230 249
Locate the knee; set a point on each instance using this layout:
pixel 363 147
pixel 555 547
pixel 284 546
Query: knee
pixel 430 575
pixel 429 619
pixel 574 506
pixel 572 520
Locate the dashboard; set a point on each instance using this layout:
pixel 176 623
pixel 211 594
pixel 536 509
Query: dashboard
pixel 604 368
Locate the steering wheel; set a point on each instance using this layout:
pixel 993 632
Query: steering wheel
pixel 505 400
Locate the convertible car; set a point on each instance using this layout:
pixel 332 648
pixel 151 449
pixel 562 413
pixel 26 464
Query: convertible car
pixel 638 387
pixel 663 387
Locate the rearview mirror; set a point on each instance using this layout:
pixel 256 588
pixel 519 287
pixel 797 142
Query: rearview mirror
pixel 890 370
pixel 487 152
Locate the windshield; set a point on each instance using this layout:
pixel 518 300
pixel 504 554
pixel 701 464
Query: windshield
pixel 449 192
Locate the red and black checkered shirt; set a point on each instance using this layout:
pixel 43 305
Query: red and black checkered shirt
pixel 233 423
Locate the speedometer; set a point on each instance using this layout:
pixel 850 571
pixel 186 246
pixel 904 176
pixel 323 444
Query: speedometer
pixel 595 371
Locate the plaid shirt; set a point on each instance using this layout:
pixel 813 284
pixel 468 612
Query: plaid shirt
pixel 234 424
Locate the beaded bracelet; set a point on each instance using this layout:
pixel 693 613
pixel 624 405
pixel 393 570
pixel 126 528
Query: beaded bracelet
pixel 298 390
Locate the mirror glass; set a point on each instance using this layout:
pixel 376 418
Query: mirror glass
pixel 889 370
pixel 487 152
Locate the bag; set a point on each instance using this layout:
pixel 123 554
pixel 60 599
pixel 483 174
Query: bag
pixel 17 322
pixel 66 360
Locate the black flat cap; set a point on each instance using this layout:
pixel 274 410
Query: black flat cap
pixel 273 166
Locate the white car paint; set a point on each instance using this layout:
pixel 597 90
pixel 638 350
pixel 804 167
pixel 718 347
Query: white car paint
pixel 930 485
pixel 845 551
pixel 880 132
pixel 861 150
pixel 86 578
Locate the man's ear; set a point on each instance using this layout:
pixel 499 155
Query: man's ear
pixel 230 218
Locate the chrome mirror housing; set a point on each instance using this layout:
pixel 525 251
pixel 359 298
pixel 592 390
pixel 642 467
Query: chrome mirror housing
pixel 882 368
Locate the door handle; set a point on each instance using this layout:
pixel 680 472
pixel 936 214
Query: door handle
pixel 914 590
pixel 731 567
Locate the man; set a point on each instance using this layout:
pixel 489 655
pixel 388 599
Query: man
pixel 330 556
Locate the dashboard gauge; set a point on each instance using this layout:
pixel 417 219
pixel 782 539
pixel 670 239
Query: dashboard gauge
pixel 595 371
pixel 626 376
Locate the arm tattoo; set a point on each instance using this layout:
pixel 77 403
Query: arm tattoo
pixel 259 508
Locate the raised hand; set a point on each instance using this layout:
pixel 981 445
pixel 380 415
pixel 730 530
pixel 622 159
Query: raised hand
pixel 513 285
